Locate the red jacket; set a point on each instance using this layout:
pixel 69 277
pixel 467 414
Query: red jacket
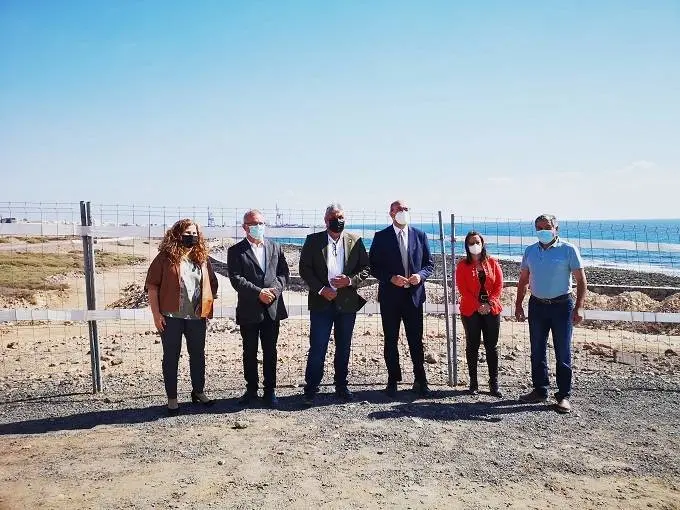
pixel 469 287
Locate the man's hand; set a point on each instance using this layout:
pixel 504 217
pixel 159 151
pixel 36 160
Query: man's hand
pixel 328 293
pixel 267 296
pixel 159 322
pixel 519 312
pixel 577 316
pixel 414 279
pixel 399 280
pixel 341 281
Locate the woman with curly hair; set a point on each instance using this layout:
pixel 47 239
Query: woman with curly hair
pixel 182 285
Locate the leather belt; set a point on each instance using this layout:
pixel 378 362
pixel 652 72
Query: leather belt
pixel 552 301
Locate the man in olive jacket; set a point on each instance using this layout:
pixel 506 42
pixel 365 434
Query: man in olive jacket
pixel 332 263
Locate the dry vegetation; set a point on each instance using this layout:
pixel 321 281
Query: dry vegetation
pixel 24 273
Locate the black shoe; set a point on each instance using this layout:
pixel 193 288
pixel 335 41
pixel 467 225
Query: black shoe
pixel 200 398
pixel 308 400
pixel 391 390
pixel 474 389
pixel 247 398
pixel 344 394
pixel 421 389
pixel 494 391
pixel 173 412
pixel 270 400
pixel 533 397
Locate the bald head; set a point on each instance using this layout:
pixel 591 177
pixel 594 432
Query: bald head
pixel 399 213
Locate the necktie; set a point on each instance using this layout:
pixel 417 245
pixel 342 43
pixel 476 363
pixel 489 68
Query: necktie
pixel 404 253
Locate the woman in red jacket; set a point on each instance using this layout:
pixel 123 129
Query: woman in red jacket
pixel 480 281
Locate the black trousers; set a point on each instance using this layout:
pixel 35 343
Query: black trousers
pixel 475 326
pixel 392 314
pixel 268 333
pixel 194 331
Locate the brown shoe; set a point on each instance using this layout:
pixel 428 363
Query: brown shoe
pixel 563 406
pixel 533 397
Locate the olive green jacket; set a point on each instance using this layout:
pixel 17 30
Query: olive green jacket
pixel 314 271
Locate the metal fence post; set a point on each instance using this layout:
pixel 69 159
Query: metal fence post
pixel 446 296
pixel 453 344
pixel 89 270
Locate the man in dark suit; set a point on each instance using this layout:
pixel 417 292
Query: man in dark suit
pixel 258 272
pixel 401 261
pixel 332 263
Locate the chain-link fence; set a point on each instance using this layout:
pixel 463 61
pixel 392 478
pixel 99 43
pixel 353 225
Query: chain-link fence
pixel 45 340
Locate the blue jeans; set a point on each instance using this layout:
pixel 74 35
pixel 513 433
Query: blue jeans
pixel 555 318
pixel 321 323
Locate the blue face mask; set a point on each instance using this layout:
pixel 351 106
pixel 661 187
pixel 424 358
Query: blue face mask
pixel 545 236
pixel 256 232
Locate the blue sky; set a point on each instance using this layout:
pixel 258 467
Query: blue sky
pixel 485 108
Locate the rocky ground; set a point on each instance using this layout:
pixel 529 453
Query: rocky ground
pixel 66 448
pixel 620 448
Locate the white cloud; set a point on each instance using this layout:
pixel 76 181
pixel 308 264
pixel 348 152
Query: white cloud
pixel 641 164
pixel 499 180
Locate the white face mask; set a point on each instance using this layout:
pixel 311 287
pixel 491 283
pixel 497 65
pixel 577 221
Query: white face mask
pixel 402 217
pixel 475 249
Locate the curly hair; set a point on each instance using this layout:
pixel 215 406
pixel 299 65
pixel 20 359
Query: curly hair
pixel 172 247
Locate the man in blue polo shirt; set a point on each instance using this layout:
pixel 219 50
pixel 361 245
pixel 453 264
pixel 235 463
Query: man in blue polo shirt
pixel 547 269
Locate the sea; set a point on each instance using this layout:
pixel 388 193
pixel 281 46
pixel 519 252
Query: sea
pixel 640 245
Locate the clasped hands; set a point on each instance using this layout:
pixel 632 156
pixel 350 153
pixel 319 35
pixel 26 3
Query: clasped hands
pixel 339 282
pixel 402 281
pixel 267 295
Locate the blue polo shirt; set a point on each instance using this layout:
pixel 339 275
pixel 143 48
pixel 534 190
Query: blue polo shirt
pixel 550 269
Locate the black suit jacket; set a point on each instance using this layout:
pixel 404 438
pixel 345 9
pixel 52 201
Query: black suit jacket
pixel 386 262
pixel 248 279
pixel 314 271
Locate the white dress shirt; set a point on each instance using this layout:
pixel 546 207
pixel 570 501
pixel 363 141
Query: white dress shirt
pixel 259 251
pixel 335 258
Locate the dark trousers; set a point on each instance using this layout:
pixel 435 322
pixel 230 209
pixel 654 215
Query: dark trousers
pixel 194 331
pixel 393 313
pixel 321 323
pixel 268 333
pixel 543 319
pixel 477 326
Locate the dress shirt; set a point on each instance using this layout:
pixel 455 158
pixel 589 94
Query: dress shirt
pixel 259 251
pixel 335 258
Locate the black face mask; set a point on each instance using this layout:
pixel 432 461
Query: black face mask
pixel 336 225
pixel 189 241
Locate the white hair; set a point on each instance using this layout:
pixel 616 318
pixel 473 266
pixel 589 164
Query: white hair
pixel 251 212
pixel 335 206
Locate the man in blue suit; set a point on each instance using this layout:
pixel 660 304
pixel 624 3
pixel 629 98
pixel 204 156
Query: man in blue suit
pixel 401 261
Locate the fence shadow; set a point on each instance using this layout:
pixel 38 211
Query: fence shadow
pixel 127 416
pixel 491 412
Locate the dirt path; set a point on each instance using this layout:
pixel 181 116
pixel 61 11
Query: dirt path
pixel 617 450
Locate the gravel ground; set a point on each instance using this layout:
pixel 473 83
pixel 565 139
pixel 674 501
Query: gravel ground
pixel 620 448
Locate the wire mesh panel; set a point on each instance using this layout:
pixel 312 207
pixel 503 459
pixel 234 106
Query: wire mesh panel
pixel 41 263
pixel 632 268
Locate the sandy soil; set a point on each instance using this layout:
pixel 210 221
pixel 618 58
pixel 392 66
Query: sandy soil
pixel 620 448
